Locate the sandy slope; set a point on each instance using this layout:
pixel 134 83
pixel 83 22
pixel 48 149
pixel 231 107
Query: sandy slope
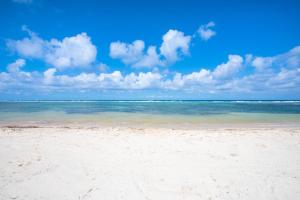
pixel 112 163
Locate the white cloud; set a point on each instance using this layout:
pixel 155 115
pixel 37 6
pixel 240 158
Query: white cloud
pixel 261 63
pixel 15 75
pixel 32 47
pixel 286 78
pixel 142 80
pixel 205 31
pixel 150 59
pixel 290 59
pixel 76 51
pixel 221 79
pixel 133 54
pixel 128 53
pixel 203 76
pixel 49 75
pixel 228 69
pixel 198 81
pixel 174 44
pixel 15 66
pixel 114 80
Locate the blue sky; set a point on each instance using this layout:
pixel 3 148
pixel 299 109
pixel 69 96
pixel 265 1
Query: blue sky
pixel 149 49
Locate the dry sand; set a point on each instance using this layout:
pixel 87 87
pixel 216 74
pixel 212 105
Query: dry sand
pixel 152 163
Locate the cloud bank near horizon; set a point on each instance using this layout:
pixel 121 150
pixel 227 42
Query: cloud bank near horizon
pixel 226 76
pixel 278 73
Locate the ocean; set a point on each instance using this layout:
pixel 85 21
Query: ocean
pixel 150 112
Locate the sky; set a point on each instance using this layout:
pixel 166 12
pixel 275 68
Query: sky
pixel 151 49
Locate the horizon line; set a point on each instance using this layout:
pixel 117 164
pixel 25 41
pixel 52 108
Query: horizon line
pixel 147 100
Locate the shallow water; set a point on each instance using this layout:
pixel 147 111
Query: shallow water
pixel 151 112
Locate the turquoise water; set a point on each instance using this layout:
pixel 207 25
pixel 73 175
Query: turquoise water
pixel 161 112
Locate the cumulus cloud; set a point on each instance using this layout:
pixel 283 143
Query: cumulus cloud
pixel 30 47
pixel 16 76
pixel 15 66
pixel 286 75
pixel 142 80
pixel 49 76
pixel 203 76
pixel 228 69
pixel 174 45
pixel 261 63
pixel 114 80
pixel 205 31
pixel 75 51
pixel 128 53
pixel 201 80
pixel 290 59
pixel 150 59
pixel 221 79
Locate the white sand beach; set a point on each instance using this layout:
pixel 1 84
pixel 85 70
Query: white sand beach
pixel 151 163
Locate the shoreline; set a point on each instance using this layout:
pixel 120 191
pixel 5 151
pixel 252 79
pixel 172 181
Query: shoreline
pixel 142 120
pixel 135 125
pixel 153 127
